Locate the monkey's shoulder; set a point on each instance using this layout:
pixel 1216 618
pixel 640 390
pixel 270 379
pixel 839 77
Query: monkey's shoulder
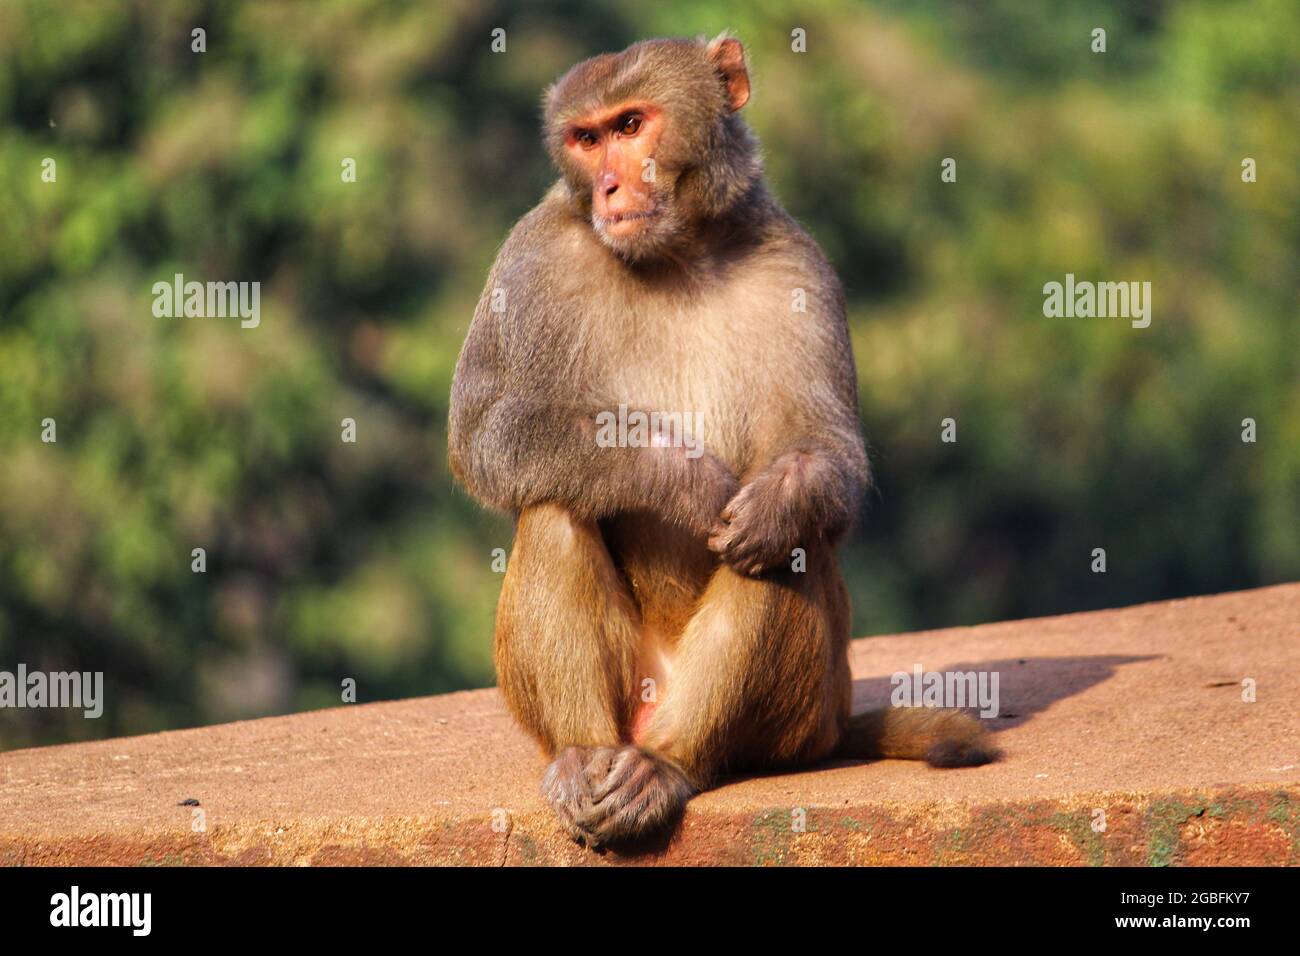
pixel 784 288
pixel 789 251
pixel 550 245
pixel 560 281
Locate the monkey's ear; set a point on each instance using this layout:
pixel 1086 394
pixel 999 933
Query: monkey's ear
pixel 728 58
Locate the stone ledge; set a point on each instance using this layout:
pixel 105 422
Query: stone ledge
pixel 1136 712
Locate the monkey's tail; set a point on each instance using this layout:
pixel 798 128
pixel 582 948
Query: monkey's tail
pixel 942 738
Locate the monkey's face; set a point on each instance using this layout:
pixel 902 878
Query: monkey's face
pixel 615 149
pixel 648 144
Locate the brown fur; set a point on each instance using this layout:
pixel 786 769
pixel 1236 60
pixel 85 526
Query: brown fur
pixel 636 562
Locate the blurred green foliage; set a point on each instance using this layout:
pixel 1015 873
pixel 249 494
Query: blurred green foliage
pixel 328 561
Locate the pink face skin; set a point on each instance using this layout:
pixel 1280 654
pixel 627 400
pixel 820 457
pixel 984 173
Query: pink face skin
pixel 612 147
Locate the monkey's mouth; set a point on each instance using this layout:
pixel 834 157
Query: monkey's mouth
pixel 625 223
pixel 630 216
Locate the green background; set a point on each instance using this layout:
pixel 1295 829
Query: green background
pixel 328 561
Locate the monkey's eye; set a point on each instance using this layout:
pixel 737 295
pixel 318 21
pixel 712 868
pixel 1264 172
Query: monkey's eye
pixel 585 138
pixel 629 125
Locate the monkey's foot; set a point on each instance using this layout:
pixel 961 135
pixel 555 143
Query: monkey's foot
pixel 615 794
pixel 565 786
pixel 635 794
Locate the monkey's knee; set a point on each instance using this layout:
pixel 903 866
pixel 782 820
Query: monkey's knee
pixel 558 564
pixel 552 531
pixel 561 560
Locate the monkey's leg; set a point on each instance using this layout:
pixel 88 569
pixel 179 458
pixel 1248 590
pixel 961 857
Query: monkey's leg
pixel 566 643
pixel 759 677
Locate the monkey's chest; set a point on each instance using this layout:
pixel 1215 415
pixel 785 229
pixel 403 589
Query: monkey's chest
pixel 713 384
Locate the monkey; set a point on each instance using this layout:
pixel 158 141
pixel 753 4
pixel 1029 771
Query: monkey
pixel 655 626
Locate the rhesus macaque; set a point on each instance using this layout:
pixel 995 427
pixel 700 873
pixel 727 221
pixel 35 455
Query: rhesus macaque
pixel 656 624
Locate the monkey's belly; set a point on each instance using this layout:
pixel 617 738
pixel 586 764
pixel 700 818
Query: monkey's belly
pixel 666 570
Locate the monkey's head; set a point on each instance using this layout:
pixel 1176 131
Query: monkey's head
pixel 649 142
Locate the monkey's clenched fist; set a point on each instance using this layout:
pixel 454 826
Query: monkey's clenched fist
pixel 638 637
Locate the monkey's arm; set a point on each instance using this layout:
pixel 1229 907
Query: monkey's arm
pixel 521 435
pixel 812 468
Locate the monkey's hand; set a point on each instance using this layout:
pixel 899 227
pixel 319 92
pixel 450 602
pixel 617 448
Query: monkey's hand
pixel 768 518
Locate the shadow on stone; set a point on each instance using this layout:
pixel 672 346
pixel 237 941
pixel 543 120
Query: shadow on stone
pixel 1026 685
